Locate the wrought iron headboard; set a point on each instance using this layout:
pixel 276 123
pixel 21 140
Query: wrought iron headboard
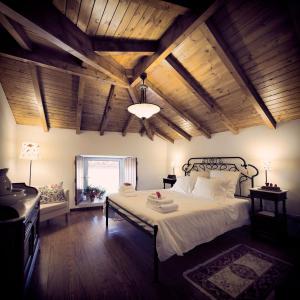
pixel 226 163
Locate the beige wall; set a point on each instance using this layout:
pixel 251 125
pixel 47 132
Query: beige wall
pixel 60 146
pixel 7 136
pixel 280 146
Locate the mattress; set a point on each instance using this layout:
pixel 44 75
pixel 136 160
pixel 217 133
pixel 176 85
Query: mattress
pixel 195 222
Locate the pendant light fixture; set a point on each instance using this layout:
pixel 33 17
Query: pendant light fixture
pixel 143 110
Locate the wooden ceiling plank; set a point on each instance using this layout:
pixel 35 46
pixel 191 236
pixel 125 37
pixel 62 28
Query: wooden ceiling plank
pixel 215 39
pixel 38 95
pixel 172 125
pixel 17 32
pixel 107 44
pixel 80 101
pixel 201 94
pixel 54 60
pixel 127 124
pixel 107 110
pixel 182 27
pixel 49 24
pixel 180 112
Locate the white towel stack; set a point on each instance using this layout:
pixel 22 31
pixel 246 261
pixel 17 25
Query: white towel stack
pixel 127 190
pixel 160 203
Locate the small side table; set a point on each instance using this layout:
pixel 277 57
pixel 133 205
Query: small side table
pixel 170 181
pixel 269 224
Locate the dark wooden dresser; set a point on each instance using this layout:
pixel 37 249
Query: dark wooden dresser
pixel 19 235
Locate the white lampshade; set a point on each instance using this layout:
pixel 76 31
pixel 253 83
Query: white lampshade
pixel 30 151
pixel 144 110
pixel 267 165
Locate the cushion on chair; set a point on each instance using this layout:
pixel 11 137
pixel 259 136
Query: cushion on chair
pixel 53 209
pixel 52 193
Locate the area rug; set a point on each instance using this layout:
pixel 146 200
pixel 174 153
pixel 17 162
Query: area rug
pixel 239 273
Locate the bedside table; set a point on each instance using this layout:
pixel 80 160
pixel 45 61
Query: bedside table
pixel 170 181
pixel 269 224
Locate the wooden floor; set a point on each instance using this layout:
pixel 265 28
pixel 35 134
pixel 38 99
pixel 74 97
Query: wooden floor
pixel 83 261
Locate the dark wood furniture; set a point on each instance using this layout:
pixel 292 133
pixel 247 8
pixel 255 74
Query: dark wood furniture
pixel 235 164
pixel 271 224
pixel 19 234
pixel 169 180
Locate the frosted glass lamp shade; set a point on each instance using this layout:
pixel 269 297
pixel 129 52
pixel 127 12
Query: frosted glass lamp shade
pixel 30 151
pixel 144 110
pixel 267 165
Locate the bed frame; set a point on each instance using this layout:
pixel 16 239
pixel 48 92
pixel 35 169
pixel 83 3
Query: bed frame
pixel 228 163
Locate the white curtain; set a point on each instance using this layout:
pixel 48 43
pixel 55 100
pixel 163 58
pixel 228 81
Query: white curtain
pixel 130 170
pixel 79 178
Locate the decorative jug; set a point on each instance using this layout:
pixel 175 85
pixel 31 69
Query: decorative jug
pixel 5 183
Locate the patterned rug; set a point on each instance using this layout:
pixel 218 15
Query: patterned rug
pixel 239 273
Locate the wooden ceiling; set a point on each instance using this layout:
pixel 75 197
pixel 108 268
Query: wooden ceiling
pixel 212 66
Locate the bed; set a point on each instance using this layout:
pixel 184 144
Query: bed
pixel 197 220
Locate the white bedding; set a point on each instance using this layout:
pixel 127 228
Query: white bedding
pixel 197 220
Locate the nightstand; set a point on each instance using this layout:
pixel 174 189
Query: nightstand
pixel 265 223
pixel 170 181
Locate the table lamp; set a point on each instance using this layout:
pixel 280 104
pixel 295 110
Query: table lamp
pixel 267 167
pixel 30 151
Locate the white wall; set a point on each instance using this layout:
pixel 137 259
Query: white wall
pixel 280 146
pixel 7 136
pixel 60 146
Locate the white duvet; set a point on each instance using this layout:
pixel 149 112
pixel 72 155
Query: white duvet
pixel 195 222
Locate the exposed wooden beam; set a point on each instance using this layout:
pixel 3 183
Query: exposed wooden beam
pixel 142 131
pixel 187 78
pixel 294 10
pixel 182 27
pixel 42 18
pixel 169 103
pixel 173 126
pixel 216 40
pixel 127 124
pixel 107 110
pixel 16 31
pixel 80 100
pixel 120 45
pixel 38 95
pixel 162 135
pixel 133 95
pixel 191 4
pixel 55 60
pixel 148 128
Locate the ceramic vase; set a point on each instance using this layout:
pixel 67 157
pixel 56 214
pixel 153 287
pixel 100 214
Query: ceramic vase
pixel 5 183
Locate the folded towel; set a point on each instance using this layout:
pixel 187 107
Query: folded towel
pixel 164 208
pixel 129 194
pixel 125 189
pixel 156 195
pixel 159 202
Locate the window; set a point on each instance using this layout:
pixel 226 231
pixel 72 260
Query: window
pixel 97 176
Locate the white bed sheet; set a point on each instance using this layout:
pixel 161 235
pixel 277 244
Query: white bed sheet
pixel 195 222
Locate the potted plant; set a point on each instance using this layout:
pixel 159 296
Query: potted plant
pixel 94 191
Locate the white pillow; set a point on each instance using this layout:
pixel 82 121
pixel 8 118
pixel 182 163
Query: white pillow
pixel 184 184
pixel 228 180
pixel 200 173
pixel 208 188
